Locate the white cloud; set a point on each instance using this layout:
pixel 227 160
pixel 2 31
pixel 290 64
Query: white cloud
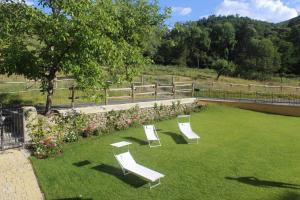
pixel 182 10
pixel 267 10
pixel 29 2
pixel 295 4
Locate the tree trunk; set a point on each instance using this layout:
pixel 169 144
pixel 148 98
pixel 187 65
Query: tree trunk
pixel 219 74
pixel 198 62
pixel 50 91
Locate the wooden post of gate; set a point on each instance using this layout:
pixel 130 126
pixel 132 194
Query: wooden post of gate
pixel 155 92
pixel 173 89
pixel 2 129
pixel 72 96
pixel 193 89
pixel 249 88
pixel 2 133
pixel 173 79
pixel 132 92
pixel 105 96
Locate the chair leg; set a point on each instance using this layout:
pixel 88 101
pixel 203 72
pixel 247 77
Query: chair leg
pixel 154 185
pixel 151 146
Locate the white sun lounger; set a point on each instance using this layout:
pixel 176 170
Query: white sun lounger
pixel 129 165
pixel 152 136
pixel 186 129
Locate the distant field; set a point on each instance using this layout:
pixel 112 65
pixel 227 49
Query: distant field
pixel 210 75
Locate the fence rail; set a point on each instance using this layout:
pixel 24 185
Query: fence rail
pixel 258 97
pixel 156 91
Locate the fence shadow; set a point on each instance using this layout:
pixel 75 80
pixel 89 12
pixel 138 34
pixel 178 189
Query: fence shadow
pixel 129 179
pixel 137 140
pixel 178 139
pixel 250 180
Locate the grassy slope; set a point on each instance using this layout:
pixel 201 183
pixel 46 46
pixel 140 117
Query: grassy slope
pixel 234 143
pixel 210 75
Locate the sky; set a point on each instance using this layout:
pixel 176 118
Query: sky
pixel 266 10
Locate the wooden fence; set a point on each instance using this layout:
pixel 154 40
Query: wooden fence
pixel 141 91
pixel 252 87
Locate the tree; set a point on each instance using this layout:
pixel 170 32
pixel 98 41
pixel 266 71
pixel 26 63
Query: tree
pixel 223 40
pixel 294 37
pixel 223 67
pixel 198 42
pixel 93 40
pixel 262 59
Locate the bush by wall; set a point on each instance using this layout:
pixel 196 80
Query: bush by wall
pixel 48 134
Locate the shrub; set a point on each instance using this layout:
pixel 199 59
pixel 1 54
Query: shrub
pixel 48 134
pixel 47 138
pixel 71 136
pixel 89 130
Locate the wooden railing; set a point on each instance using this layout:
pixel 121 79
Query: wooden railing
pixel 141 91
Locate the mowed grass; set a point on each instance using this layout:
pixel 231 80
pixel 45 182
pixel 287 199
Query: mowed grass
pixel 241 155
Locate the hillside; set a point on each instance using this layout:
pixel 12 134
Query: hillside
pixel 291 22
pixel 257 50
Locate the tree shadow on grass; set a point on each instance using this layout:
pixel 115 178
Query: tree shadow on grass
pixel 74 198
pixel 14 100
pixel 250 180
pixel 177 138
pixel 290 196
pixel 82 163
pixel 129 179
pixel 137 140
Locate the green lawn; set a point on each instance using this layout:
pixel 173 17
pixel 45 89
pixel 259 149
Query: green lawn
pixel 235 145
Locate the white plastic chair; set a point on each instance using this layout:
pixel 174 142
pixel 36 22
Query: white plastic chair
pixel 152 136
pixel 128 165
pixel 186 129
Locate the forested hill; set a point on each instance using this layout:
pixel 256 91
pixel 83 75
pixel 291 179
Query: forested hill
pixel 234 45
pixel 291 22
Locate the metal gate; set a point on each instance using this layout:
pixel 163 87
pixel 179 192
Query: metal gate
pixel 11 129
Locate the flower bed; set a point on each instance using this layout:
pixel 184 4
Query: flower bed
pixel 48 134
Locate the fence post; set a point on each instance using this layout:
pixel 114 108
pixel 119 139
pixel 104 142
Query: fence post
pixel 193 89
pixel 173 79
pixel 142 79
pixel 105 96
pixel 255 96
pixel 132 92
pixel 155 92
pixel 173 89
pixel 2 118
pixel 72 96
pixel 2 135
pixel 249 87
